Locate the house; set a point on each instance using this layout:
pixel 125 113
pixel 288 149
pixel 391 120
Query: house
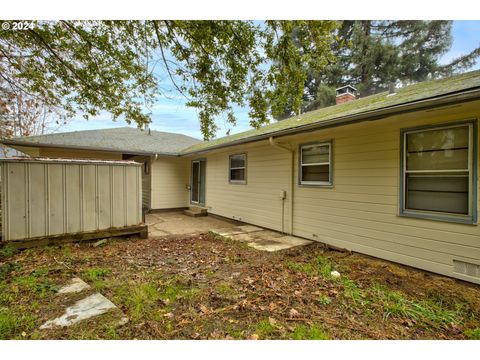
pixel 392 175
pixel 159 191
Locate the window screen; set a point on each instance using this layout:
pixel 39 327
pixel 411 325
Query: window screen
pixel 238 168
pixel 437 170
pixel 315 164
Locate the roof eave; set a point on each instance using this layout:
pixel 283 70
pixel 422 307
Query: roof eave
pixel 10 142
pixel 372 115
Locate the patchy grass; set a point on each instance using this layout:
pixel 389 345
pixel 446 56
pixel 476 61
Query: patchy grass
pixel 324 300
pixel 140 300
pixel 97 276
pixel 472 334
pixel 96 273
pixel 14 324
pixel 319 266
pixel 37 282
pixel 264 329
pixel 426 311
pixel 309 332
pixel 7 251
pixel 198 287
pixel 6 269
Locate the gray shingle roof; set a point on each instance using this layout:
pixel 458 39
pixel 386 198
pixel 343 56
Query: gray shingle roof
pixel 363 106
pixel 125 139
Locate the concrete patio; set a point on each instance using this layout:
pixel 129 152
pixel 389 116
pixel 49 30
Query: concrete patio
pixel 177 223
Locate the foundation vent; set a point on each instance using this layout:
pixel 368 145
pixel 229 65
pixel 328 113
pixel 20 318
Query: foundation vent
pixel 465 268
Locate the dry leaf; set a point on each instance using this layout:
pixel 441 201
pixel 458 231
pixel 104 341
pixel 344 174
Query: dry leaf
pixel 293 313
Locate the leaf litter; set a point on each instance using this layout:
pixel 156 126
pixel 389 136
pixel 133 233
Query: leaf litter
pixel 203 287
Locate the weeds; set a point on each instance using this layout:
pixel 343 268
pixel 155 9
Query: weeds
pixel 7 251
pixel 143 296
pixel 264 329
pixel 12 325
pixel 397 305
pixel 353 292
pixel 324 300
pixel 223 288
pixel 97 273
pixel 319 266
pixel 312 332
pixel 472 334
pixel 6 269
pixel 36 283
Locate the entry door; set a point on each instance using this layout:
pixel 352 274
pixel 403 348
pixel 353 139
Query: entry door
pixel 198 182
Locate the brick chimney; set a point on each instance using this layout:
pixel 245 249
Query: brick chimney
pixel 345 94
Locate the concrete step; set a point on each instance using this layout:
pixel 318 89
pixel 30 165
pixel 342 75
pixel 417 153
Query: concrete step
pixel 196 211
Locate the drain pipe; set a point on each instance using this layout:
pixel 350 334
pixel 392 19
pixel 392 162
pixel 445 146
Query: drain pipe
pixel 272 142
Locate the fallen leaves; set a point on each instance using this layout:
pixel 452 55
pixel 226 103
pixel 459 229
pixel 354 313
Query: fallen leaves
pixel 204 310
pixel 293 314
pixel 233 297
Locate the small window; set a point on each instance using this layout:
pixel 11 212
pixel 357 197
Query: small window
pixel 437 172
pixel 315 161
pixel 238 168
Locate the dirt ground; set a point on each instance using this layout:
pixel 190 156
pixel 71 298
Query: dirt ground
pixel 202 287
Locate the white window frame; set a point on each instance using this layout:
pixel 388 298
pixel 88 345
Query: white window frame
pixel 329 163
pixel 471 217
pixel 230 168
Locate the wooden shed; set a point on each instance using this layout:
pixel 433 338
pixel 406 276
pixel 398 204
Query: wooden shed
pixel 62 199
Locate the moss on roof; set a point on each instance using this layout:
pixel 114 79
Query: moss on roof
pixel 416 92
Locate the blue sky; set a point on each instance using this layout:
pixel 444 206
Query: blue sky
pixel 170 114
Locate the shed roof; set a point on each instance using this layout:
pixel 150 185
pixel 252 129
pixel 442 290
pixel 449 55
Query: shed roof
pixel 363 108
pixel 25 159
pixel 125 140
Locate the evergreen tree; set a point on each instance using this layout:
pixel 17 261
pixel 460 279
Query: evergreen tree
pixel 371 55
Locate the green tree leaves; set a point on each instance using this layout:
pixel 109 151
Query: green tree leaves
pixel 92 66
pixel 372 54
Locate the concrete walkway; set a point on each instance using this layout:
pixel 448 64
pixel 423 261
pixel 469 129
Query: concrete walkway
pixel 261 239
pixel 176 223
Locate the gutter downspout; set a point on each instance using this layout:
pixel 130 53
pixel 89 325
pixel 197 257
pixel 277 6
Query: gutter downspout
pixel 292 181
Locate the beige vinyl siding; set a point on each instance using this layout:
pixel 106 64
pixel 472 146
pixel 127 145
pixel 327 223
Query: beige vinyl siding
pixel 360 211
pixel 78 154
pixel 146 180
pixel 258 200
pixel 169 181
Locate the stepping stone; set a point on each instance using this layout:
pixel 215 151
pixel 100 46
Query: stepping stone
pixel 268 245
pixel 293 240
pixel 260 239
pixel 249 228
pixel 76 285
pixel 229 232
pixel 89 307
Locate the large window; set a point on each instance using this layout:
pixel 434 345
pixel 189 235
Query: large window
pixel 238 169
pixel 315 164
pixel 437 172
